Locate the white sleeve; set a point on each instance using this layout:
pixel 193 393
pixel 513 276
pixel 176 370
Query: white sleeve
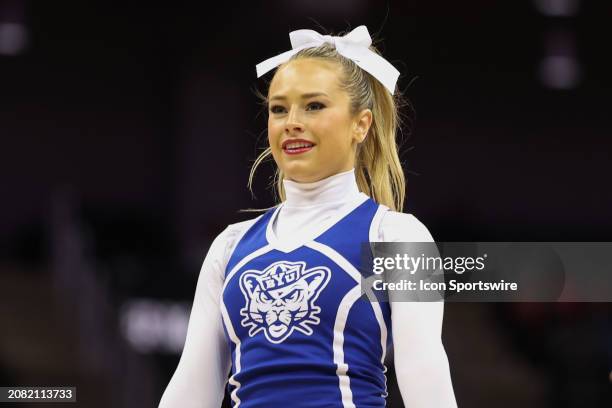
pixel 199 379
pixel 421 364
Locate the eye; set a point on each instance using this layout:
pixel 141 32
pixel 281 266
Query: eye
pixel 277 109
pixel 315 106
pixel 293 296
pixel 263 297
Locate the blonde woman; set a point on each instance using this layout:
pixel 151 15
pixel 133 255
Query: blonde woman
pixel 277 306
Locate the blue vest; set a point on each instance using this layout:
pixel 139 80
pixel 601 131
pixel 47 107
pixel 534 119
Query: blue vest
pixel 300 332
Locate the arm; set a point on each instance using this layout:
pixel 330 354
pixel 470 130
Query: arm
pixel 421 365
pixel 200 377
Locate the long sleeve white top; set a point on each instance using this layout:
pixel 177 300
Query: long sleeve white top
pixel 421 365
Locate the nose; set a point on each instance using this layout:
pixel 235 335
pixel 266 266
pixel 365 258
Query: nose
pixel 293 123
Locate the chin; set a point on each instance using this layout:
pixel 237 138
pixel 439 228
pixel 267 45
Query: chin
pixel 302 177
pixel 299 178
pixel 300 173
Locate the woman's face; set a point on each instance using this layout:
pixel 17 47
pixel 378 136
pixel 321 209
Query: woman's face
pixel 311 131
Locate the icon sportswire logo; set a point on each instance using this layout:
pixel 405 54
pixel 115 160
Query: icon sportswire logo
pixel 281 299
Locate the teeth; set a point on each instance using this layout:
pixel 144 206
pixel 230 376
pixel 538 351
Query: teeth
pixel 297 145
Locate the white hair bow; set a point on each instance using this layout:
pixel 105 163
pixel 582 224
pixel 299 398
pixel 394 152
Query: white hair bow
pixel 353 46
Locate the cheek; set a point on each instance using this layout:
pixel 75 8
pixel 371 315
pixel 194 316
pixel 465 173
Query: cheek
pixel 273 141
pixel 273 133
pixel 334 131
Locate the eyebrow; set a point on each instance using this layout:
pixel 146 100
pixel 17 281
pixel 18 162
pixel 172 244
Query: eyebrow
pixel 304 96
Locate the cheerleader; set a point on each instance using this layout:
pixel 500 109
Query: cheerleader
pixel 278 307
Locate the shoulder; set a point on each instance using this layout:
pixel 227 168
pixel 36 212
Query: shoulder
pixel 223 245
pixel 400 227
pixel 232 234
pixel 240 228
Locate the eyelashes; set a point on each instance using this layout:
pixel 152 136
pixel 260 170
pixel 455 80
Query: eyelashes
pixel 310 107
pixel 319 104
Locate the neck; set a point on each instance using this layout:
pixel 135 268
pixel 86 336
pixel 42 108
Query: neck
pixel 334 188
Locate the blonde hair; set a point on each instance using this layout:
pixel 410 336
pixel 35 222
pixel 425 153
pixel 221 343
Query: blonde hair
pixel 378 169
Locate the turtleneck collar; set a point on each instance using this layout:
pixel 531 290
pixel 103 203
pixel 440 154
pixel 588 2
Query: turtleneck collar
pixel 334 188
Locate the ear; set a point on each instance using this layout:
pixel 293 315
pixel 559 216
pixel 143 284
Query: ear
pixel 361 125
pixel 314 280
pixel 248 282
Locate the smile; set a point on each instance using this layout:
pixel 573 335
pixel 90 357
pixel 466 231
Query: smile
pixel 297 146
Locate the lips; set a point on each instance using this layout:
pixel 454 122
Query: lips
pixel 277 329
pixel 297 146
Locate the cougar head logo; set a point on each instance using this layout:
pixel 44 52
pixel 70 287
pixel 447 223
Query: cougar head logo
pixel 280 299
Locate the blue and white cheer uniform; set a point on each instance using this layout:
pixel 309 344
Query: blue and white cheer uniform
pixel 300 333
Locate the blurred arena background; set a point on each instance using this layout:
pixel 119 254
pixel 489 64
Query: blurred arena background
pixel 127 133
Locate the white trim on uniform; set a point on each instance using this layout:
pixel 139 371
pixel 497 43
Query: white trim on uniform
pixel 228 322
pixel 376 221
pixel 375 237
pixel 345 306
pixel 344 380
